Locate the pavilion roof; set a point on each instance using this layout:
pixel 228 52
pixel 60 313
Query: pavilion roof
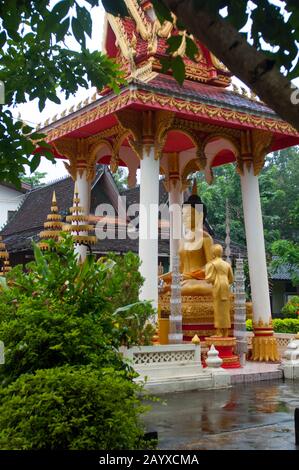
pixel 198 102
pixel 138 42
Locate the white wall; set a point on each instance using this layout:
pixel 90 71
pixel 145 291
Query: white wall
pixel 10 199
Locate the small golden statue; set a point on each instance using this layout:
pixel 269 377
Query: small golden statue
pixel 219 273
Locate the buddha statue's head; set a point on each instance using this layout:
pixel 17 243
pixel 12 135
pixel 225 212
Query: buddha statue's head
pixel 217 251
pixel 194 213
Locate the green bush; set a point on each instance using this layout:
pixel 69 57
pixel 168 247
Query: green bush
pixel 64 384
pixel 291 308
pixel 39 335
pixel 59 312
pixel 71 408
pixel 286 325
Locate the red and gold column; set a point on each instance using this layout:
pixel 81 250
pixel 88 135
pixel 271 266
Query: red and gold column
pixel 264 345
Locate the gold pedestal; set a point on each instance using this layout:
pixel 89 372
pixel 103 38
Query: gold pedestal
pixel 198 314
pixel 264 344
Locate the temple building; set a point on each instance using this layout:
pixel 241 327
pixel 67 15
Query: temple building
pixel 161 128
pixel 27 223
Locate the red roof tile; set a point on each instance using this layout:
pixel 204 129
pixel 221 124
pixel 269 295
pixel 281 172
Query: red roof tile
pixel 206 93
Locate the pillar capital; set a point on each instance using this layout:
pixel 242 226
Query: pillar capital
pixel 81 158
pixel 172 172
pixel 255 145
pixel 146 130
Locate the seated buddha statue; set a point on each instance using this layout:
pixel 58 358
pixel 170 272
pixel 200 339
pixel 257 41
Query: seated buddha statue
pixel 195 251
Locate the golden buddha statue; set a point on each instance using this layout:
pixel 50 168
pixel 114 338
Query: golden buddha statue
pixel 195 251
pixel 219 273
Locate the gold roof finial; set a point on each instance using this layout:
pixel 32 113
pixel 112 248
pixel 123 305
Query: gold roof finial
pixel 4 255
pixel 52 226
pixel 79 226
pixel 3 252
pixel 194 187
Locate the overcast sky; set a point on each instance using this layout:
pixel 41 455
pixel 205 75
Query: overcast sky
pixel 30 113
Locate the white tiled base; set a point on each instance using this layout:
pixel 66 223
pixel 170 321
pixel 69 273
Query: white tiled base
pixel 291 371
pixel 255 372
pixel 181 378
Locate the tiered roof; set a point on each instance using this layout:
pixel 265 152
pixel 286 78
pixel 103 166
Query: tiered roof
pixel 52 227
pixel 4 258
pixel 79 226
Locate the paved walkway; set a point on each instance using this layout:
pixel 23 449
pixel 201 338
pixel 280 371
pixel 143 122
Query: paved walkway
pixel 247 416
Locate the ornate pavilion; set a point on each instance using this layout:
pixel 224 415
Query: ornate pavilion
pixel 162 128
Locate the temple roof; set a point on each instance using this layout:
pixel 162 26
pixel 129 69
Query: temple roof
pixel 140 40
pixel 37 203
pixel 203 121
pixel 209 94
pixel 197 102
pixel 283 273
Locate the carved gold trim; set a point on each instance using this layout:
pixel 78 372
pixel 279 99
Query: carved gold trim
pixel 195 109
pixel 81 155
pixel 148 128
pixel 264 348
pixel 220 341
pixel 123 41
pixel 213 111
pixel 255 144
pixel 218 64
pixel 143 24
pixel 261 145
pixel 82 152
pixel 263 324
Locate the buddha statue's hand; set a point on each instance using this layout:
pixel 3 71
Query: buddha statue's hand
pixel 166 277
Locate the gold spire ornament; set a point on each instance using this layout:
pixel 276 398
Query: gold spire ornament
pixel 52 226
pixel 4 258
pixel 79 226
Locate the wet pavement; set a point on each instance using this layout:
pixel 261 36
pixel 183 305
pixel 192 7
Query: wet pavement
pixel 252 416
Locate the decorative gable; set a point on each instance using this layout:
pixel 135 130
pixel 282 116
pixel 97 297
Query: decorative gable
pixel 139 41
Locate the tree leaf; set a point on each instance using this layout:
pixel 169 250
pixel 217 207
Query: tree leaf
pixel 27 129
pixel 63 29
pixel 54 97
pixel 78 32
pixel 61 9
pixel 84 19
pixel 35 162
pixel 178 68
pixel 191 49
pixel 116 8
pixel 2 38
pixel 162 11
pixel 174 43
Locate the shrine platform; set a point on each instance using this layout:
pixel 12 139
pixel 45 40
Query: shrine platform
pixel 255 372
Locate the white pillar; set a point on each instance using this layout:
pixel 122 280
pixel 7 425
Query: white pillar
pixel 148 225
pixel 255 246
pixel 84 192
pixel 264 346
pixel 175 208
pixel 84 187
